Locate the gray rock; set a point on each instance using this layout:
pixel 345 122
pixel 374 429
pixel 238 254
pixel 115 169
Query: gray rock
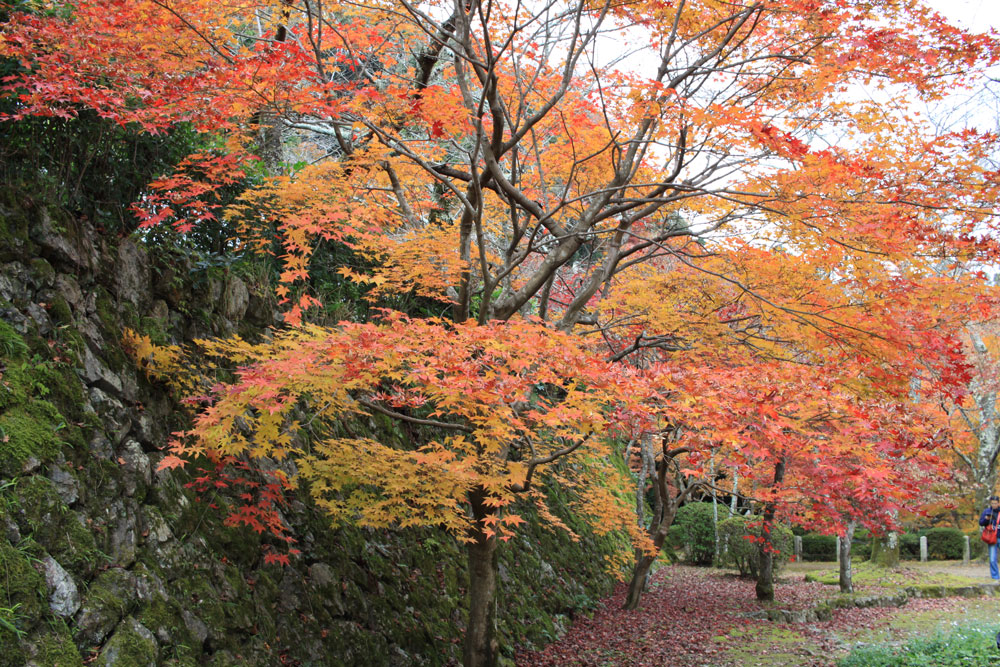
pixel 101 447
pixel 110 596
pixel 157 528
pixel 133 275
pixel 67 486
pixel 69 288
pixel 321 575
pixel 69 243
pixel 123 536
pixel 195 626
pixel 235 299
pixel 136 466
pixel 40 317
pixel 64 598
pixel 97 375
pixel 148 586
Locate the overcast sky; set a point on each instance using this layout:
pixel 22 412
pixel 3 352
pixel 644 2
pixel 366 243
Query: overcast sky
pixel 977 15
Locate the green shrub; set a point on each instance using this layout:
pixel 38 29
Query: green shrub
pixel 861 545
pixel 962 646
pixel 945 544
pixel 692 530
pixel 977 548
pixel 909 546
pixel 742 553
pixel 816 547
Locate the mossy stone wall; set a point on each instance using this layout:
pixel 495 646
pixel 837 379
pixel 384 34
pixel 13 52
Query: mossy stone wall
pixel 104 560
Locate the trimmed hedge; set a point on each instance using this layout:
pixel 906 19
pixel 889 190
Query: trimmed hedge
pixel 945 544
pixel 817 547
pixel 942 544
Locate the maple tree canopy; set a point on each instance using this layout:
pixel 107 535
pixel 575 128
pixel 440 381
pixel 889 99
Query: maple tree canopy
pixel 639 213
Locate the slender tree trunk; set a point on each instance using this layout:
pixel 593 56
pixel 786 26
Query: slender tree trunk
pixel 715 514
pixel 663 517
pixel 765 573
pixel 846 584
pixel 481 648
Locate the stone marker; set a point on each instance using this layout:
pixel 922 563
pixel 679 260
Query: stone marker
pixel 923 548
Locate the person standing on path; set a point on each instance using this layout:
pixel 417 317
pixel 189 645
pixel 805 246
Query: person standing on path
pixel 991 517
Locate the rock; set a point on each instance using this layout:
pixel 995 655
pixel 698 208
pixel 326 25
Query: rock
pixel 235 299
pixel 133 275
pixel 195 626
pixel 66 484
pixel 99 376
pixel 132 645
pixel 138 471
pixel 321 575
pixel 156 526
pixel 64 598
pixel 122 533
pixel 40 317
pixel 148 586
pixel 69 288
pixel 147 431
pixel 67 243
pixel 110 597
pixel 11 530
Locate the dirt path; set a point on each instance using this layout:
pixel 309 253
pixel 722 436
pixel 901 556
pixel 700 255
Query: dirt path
pixel 700 617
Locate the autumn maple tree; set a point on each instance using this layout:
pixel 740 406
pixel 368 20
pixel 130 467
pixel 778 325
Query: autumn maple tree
pixel 642 215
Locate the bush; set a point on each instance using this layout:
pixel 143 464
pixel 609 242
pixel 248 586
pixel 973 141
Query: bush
pixel 861 545
pixel 909 546
pixel 692 530
pixel 977 548
pixel 945 544
pixel 742 553
pixel 819 547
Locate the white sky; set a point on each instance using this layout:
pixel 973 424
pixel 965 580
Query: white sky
pixel 975 15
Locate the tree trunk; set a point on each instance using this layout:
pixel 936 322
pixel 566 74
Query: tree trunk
pixel 638 583
pixel 765 549
pixel 846 584
pixel 663 517
pixel 481 648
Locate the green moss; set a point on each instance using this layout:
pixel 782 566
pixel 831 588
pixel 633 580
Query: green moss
pixel 866 574
pixel 57 650
pixel 29 430
pixel 15 385
pixel 60 312
pixel 41 513
pixel 42 270
pixel 128 647
pixel 15 220
pixel 163 616
pixel 22 588
pixel 12 654
pixel 12 345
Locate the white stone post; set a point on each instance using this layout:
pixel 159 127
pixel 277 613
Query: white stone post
pixel 966 552
pixel 923 548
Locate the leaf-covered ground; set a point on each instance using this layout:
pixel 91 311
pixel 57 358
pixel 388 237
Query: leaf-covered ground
pixel 694 617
